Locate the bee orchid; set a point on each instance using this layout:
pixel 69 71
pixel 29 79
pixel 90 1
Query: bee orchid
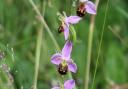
pixel 63 60
pixel 86 6
pixel 67 21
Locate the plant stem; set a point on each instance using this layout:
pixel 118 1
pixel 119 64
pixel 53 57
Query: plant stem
pixel 101 39
pixel 38 51
pixel 37 59
pixel 90 40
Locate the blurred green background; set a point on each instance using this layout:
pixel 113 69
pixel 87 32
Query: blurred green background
pixel 19 28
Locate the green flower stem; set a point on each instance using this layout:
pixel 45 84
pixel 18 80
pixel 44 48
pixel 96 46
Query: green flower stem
pixel 90 40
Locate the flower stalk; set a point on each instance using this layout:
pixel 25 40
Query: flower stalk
pixel 90 40
pixel 37 59
pixel 38 52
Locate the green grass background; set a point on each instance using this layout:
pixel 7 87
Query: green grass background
pixel 18 31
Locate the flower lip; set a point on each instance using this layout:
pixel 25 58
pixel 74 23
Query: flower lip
pixel 63 68
pixel 62 26
pixel 60 29
pixel 81 10
pixel 66 66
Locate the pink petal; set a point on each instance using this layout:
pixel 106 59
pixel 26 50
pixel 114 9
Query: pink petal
pixel 69 84
pixel 72 19
pixel 90 7
pixel 83 1
pixel 66 51
pixel 72 67
pixel 56 59
pixel 55 88
pixel 66 32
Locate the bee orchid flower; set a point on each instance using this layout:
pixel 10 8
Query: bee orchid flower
pixel 86 6
pixel 69 84
pixel 63 60
pixel 64 27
